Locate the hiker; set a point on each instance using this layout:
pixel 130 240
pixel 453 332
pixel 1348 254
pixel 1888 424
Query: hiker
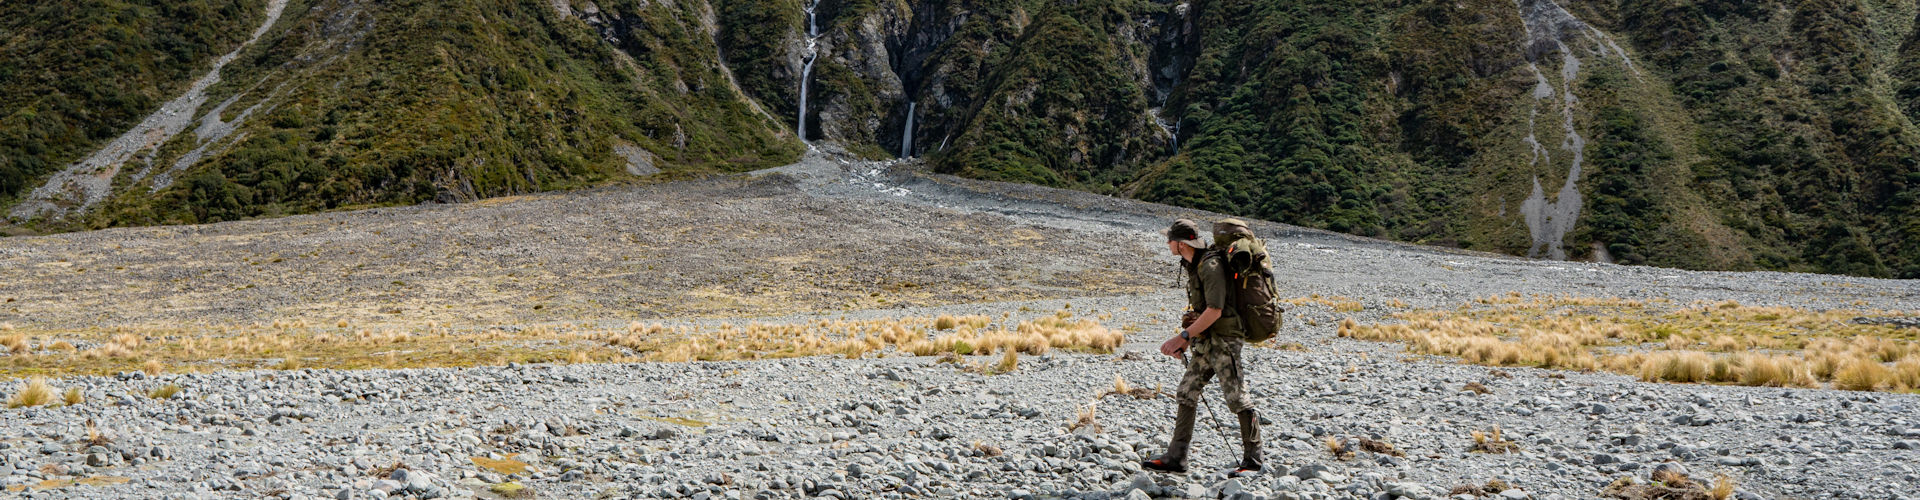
pixel 1212 334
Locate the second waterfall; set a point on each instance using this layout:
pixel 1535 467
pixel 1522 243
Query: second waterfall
pixel 806 71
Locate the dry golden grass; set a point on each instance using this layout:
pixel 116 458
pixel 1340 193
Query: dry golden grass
pixel 95 436
pixel 946 322
pixel 1337 303
pixel 1670 477
pixel 1719 342
pixel 1864 375
pixel 34 392
pixel 1723 488
pixel 73 397
pixel 1380 447
pixel 1337 447
pixel 967 335
pixel 1493 442
pixel 164 392
pixel 1907 371
pixel 1008 363
pixel 1086 418
pixel 297 344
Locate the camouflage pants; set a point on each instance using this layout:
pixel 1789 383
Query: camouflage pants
pixel 1215 356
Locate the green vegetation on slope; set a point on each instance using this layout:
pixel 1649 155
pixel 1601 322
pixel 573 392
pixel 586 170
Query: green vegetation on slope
pixel 1064 109
pixel 461 100
pixel 74 75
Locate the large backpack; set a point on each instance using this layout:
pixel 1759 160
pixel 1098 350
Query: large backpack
pixel 1243 257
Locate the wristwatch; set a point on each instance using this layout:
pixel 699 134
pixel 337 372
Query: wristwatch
pixel 1183 336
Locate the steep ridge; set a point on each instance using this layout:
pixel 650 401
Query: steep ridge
pixel 350 103
pixel 86 183
pixel 76 75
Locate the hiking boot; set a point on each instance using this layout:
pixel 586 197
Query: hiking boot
pixel 1175 459
pixel 1248 468
pixel 1165 464
pixel 1249 443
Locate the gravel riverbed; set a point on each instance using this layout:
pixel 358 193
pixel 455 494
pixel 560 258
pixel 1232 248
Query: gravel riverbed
pixel 909 427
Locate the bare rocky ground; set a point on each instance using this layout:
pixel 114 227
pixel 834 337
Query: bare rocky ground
pixel 892 427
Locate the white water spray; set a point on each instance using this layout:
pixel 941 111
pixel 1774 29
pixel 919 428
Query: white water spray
pixel 1173 132
pixel 906 133
pixel 806 72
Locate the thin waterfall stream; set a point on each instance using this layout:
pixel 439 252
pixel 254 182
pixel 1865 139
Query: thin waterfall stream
pixel 906 133
pixel 806 72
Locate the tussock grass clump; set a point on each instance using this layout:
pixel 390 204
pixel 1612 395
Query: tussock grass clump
pixel 73 397
pixel 1685 366
pixel 1493 442
pixel 1659 341
pixel 1336 303
pixel 946 322
pixel 1864 375
pixel 1337 447
pixel 1086 418
pixel 96 436
pixel 164 392
pixel 1907 371
pixel 1008 363
pixel 1723 488
pixel 15 343
pixel 1380 447
pixel 33 392
pixel 1493 487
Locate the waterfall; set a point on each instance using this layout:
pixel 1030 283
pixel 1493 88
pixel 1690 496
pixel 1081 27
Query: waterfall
pixel 1173 132
pixel 806 72
pixel 1551 28
pixel 906 133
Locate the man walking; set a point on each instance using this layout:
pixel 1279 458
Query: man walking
pixel 1212 338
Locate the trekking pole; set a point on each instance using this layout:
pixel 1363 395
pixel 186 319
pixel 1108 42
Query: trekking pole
pixel 1218 429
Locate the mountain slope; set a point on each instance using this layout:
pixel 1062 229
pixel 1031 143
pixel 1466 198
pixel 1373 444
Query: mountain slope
pixel 346 103
pixel 1706 135
pixel 76 74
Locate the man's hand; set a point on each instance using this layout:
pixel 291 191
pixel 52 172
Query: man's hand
pixel 1174 346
